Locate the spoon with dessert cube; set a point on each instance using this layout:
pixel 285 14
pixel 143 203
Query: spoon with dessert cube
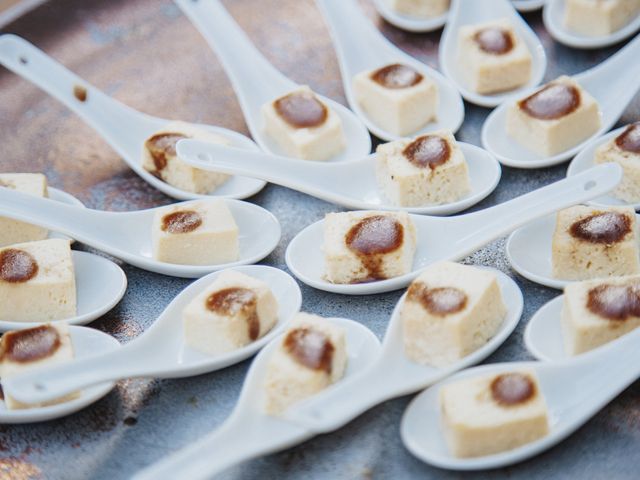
pixel 450 238
pixel 408 22
pixel 257 83
pixel 100 285
pixel 250 432
pixel 393 374
pixel 161 351
pixel 553 16
pixel 86 342
pixel 124 128
pixel 333 181
pixel 465 13
pixel 128 235
pixel 586 159
pixel 613 83
pixel 574 389
pixel 363 50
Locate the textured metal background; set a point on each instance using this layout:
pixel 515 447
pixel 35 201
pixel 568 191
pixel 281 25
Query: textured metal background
pixel 146 54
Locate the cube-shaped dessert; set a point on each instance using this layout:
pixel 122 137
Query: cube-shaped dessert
pixel 493 413
pixel 202 232
pixel 625 151
pixel 492 57
pixel 303 126
pixel 233 311
pixel 601 17
pixel 555 118
pixel 37 281
pixel 419 8
pixel 311 356
pixel 15 231
pixel 595 242
pixel 366 246
pixel 450 311
pixel 397 98
pixel 159 157
pixel 428 170
pixel 26 350
pixel 595 312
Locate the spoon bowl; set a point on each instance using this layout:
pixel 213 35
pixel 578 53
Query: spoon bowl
pixel 470 12
pixel 100 285
pixel 244 64
pixel 543 335
pixel 457 236
pixel 87 342
pixel 574 391
pixel 408 22
pixel 127 235
pixel 553 15
pixel 161 350
pixel 361 47
pixel 249 432
pixel 333 182
pixel 613 84
pixel 124 128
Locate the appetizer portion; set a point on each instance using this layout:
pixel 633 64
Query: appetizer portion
pixel 15 231
pixel 232 312
pixel 366 246
pixel 599 18
pixel 311 356
pixel 428 170
pixel 198 233
pixel 303 126
pixel 450 311
pixel 625 151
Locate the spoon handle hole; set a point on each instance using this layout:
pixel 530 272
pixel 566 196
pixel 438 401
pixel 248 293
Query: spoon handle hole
pixel 590 185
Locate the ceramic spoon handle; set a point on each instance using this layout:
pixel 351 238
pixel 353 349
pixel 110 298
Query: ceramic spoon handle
pixel 114 121
pixel 474 230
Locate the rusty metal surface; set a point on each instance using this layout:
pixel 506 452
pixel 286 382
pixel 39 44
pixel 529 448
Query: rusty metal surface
pixel 146 54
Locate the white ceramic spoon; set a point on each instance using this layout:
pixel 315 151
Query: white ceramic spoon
pixel 257 82
pixel 585 159
pixel 87 342
pixel 127 235
pixel 453 238
pixel 361 47
pixel 529 252
pixel 333 181
pixel 393 374
pixel 553 17
pixel 408 22
pixel 249 432
pixel 124 128
pixel 574 390
pixel 100 285
pixel 528 5
pixel 471 12
pixel 161 350
pixel 64 197
pixel 613 83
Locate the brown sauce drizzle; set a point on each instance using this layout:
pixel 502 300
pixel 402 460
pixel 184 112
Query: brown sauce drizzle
pixel 629 140
pixel 428 151
pixel 603 227
pixel 31 344
pixel 551 102
pixel 301 110
pixel 439 301
pixel 615 302
pixel 17 266
pixel 80 93
pixel 184 221
pixel 311 348
pixel 373 237
pixel 494 40
pixel 234 300
pixel 396 76
pixel 161 146
pixel 511 389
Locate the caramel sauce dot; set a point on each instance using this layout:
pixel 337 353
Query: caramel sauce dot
pixel 629 140
pixel 231 301
pixel 553 101
pixel 161 146
pixel 396 76
pixel 428 151
pixel 511 389
pixel 614 302
pixel 494 40
pixel 80 93
pixel 310 348
pixel 181 222
pixel 439 301
pixel 603 227
pixel 17 266
pixel 301 110
pixel 30 345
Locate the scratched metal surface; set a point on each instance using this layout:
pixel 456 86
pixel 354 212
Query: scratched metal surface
pixel 145 53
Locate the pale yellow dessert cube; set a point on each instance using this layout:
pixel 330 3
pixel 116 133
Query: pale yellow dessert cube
pixel 625 151
pixel 420 8
pixel 15 231
pixel 595 18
